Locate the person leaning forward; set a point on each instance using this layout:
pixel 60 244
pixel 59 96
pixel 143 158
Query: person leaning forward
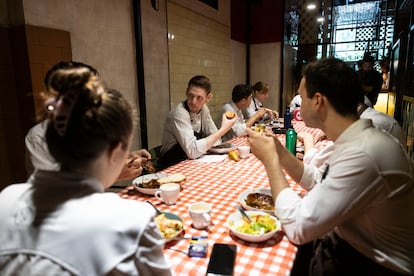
pixel 189 130
pixel 359 213
pixel 62 222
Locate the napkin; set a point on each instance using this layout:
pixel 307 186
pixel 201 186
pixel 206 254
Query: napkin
pixel 212 158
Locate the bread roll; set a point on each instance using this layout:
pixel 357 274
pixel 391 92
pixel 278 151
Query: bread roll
pixel 230 114
pixel 175 178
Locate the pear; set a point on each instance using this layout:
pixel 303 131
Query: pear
pixel 234 155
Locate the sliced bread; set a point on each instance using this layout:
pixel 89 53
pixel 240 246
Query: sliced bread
pixel 175 177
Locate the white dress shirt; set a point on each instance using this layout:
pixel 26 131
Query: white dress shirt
pixel 70 219
pixel 40 156
pixel 385 122
pixel 239 127
pixel 180 126
pixel 365 194
pixel 295 103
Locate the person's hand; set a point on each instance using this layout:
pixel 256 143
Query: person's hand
pixel 262 146
pixel 134 164
pixel 305 136
pixel 143 153
pixel 227 123
pixel 261 112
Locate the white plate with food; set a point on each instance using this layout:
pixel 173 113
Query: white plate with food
pixel 263 226
pixel 257 200
pixel 147 183
pixel 170 225
pixel 223 148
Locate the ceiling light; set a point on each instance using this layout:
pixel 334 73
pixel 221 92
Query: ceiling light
pixel 320 19
pixel 311 7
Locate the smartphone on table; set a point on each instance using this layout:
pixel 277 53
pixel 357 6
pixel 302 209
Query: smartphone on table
pixel 222 260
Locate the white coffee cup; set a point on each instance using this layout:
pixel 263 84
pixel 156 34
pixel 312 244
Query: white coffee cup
pixel 200 214
pixel 244 151
pixel 168 193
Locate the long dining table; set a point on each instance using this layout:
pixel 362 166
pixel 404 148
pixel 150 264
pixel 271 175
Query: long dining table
pixel 220 183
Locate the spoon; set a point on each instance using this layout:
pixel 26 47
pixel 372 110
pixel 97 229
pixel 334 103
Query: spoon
pixel 156 209
pixel 244 214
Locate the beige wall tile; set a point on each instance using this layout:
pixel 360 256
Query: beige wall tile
pixel 204 42
pixel 265 63
pixel 101 35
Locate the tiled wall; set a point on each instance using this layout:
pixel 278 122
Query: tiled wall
pixel 27 53
pixel 200 46
pixel 102 35
pixel 45 48
pixel 157 95
pixel 265 63
pixel 203 46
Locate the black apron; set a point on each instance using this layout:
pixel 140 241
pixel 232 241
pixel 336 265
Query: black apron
pixel 176 154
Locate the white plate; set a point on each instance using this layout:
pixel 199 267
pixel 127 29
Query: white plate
pixel 146 178
pixel 235 220
pixel 242 199
pixel 223 148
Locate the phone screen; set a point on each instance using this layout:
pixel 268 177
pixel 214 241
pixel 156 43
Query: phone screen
pixel 222 259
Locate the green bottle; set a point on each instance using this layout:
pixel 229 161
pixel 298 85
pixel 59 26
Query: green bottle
pixel 291 138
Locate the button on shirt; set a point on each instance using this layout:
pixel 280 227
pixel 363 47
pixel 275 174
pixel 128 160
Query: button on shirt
pixel 366 197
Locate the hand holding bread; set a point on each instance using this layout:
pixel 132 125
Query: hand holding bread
pixel 230 114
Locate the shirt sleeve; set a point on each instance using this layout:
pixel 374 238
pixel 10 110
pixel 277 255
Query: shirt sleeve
pixel 36 145
pixel 149 258
pixel 239 128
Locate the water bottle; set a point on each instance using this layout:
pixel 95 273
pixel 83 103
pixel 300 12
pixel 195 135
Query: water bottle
pixel 291 138
pixel 287 118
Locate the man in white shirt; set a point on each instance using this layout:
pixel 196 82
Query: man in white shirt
pixel 189 130
pixel 241 98
pixel 364 197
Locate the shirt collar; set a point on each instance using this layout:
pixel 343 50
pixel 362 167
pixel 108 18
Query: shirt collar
pixel 354 130
pixel 66 181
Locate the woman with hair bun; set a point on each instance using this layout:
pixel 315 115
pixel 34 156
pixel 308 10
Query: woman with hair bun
pixel 62 221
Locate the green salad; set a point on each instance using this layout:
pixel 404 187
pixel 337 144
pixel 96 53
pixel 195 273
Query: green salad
pixel 260 225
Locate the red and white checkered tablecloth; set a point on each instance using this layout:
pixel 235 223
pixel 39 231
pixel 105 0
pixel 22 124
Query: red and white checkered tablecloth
pixel 220 184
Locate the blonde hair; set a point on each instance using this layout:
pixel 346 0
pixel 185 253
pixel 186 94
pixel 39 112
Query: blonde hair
pixel 261 87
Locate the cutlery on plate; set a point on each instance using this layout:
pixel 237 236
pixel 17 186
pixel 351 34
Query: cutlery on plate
pixel 153 206
pixel 244 214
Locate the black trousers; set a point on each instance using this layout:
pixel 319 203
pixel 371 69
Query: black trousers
pixel 331 255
